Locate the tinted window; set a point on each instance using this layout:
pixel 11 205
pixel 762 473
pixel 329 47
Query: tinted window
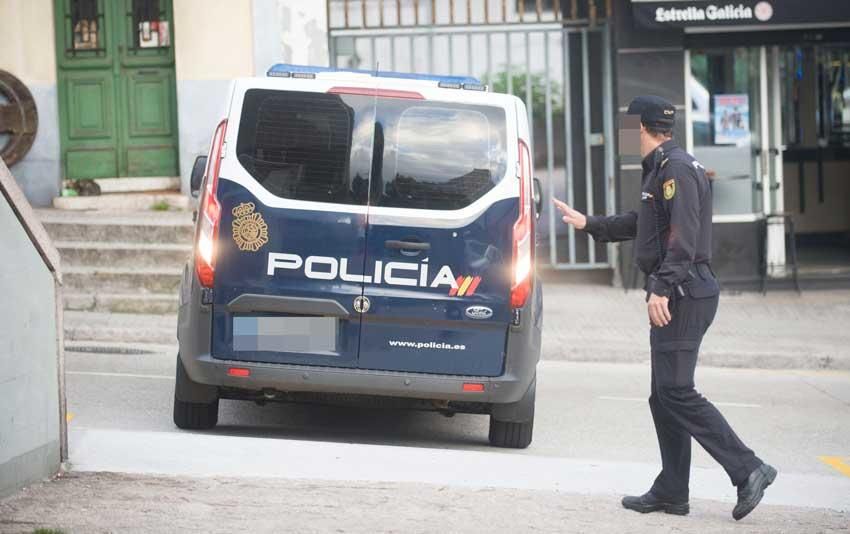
pixel 437 155
pixel 308 146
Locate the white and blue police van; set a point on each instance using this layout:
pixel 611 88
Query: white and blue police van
pixel 364 236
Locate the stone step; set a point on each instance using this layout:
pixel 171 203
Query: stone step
pixel 87 253
pixel 144 227
pixel 139 184
pixel 150 303
pixel 122 280
pixel 125 201
pixel 120 328
pixel 80 349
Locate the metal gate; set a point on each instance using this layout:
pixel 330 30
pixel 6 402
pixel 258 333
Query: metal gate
pixel 557 60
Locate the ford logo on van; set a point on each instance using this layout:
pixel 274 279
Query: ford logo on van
pixel 479 312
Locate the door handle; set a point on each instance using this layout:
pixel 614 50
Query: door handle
pixel 406 245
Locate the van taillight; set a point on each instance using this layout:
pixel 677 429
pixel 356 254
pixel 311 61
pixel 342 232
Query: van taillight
pixel 523 246
pixel 210 212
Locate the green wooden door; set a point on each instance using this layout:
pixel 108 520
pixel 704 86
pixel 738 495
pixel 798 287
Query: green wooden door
pixel 117 97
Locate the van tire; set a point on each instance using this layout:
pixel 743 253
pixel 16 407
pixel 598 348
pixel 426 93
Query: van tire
pixel 512 425
pixel 192 415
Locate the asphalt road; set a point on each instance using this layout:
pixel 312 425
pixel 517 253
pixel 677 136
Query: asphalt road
pixel 593 433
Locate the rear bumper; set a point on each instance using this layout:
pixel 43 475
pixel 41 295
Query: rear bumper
pixel 194 329
pixel 297 378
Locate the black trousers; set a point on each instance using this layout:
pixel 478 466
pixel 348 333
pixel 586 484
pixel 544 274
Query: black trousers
pixel 679 411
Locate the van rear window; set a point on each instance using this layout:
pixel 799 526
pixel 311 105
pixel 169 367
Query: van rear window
pixel 327 147
pixel 307 146
pixel 438 155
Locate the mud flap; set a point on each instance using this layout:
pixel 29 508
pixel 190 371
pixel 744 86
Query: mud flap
pixel 521 411
pixel 186 390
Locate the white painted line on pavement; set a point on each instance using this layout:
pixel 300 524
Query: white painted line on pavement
pixel 210 455
pixel 639 399
pixel 119 375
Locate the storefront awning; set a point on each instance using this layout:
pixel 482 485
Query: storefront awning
pixel 667 14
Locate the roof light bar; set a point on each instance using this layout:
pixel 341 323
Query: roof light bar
pixel 475 87
pixel 285 70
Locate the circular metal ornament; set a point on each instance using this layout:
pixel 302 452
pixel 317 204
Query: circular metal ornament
pixel 361 304
pixel 18 118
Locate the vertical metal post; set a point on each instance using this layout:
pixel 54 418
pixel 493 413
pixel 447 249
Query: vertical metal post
pixel 431 37
pixel 373 64
pixel 608 132
pixel 550 143
pixel 450 38
pixel 777 229
pixel 489 59
pixel 588 167
pixel 689 119
pixel 469 54
pixel 392 52
pixel 529 100
pixel 568 152
pixel 764 132
pixel 508 73
pixel 412 53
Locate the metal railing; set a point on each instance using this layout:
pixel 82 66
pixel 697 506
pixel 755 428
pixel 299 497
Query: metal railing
pixel 559 65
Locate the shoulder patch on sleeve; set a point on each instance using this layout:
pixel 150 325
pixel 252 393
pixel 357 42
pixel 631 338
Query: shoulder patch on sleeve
pixel 669 188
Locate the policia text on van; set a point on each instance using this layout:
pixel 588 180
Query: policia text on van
pixel 359 235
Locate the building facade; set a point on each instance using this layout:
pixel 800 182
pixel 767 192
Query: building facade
pixel 130 88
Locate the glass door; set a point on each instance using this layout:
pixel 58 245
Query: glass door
pixel 725 121
pixel 735 121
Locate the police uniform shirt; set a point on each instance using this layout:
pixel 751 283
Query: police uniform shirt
pixel 672 228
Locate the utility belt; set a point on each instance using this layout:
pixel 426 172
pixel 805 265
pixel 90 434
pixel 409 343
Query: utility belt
pixel 701 283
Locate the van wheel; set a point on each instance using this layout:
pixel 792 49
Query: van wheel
pixel 510 435
pixel 192 415
pixel 512 425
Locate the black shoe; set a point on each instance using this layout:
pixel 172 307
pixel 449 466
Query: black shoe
pixel 650 503
pixel 751 491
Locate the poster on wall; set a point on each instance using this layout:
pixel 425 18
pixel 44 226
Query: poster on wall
pixel 731 120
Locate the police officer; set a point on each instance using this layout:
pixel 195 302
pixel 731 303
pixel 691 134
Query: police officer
pixel 672 230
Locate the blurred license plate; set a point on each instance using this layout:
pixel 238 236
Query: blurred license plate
pixel 285 334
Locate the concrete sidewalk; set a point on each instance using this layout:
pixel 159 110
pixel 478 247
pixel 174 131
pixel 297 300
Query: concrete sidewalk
pixel 108 502
pixel 779 330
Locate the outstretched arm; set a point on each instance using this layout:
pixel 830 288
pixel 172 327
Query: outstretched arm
pixel 621 227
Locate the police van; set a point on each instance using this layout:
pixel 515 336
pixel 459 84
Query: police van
pixel 364 236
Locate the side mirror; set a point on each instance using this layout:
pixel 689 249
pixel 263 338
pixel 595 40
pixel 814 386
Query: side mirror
pixel 537 196
pixel 197 177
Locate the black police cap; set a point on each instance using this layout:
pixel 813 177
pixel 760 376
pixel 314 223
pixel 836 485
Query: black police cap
pixel 654 111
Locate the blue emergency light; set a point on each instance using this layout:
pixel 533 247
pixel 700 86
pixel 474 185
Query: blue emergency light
pixel 285 70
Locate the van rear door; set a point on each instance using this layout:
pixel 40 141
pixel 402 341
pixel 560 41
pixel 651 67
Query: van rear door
pixel 442 207
pixel 290 252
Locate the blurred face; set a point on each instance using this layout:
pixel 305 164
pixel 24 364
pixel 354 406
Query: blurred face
pixel 630 136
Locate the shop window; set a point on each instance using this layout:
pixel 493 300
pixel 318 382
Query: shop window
pixel 816 96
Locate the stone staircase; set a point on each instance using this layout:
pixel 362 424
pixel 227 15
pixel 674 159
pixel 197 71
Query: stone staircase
pixel 121 274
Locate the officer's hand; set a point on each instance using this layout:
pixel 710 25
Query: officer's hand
pixel 570 216
pixel 659 312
